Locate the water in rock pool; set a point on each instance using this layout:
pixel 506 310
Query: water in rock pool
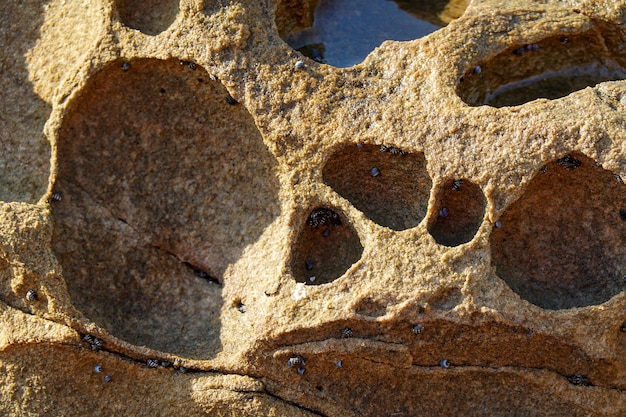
pixel 346 31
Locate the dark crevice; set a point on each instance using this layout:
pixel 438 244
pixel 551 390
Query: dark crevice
pixel 570 377
pixel 294 404
pixel 198 271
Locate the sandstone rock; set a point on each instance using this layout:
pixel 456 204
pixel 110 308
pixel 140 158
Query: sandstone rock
pixel 196 218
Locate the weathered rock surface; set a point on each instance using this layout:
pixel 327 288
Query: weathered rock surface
pixel 192 222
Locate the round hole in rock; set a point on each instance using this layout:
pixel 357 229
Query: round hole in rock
pixel 460 208
pixel 164 185
pixel 326 247
pixel 561 245
pixel 388 185
pixel 148 16
pixel 550 69
pixel 343 32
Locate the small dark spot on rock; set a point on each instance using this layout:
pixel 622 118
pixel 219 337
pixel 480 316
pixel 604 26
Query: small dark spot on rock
pixel 622 214
pixel 323 217
pixel 31 295
pixel 230 100
pixel 568 162
pixel 56 196
pixel 418 329
pixel 579 380
pixel 295 361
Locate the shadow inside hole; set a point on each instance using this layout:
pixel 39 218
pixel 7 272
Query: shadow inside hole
pixel 552 68
pixel 460 208
pixel 25 156
pixel 561 245
pixel 325 249
pixel 164 185
pixel 389 186
pixel 148 16
pixel 343 32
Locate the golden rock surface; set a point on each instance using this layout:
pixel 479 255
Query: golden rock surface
pixel 196 219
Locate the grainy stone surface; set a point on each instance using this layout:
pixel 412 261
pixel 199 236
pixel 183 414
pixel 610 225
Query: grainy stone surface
pixel 163 169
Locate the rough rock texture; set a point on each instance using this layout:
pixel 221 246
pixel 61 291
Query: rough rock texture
pixel 191 223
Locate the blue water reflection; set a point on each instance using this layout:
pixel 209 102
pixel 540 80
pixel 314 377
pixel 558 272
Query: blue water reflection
pixel 346 31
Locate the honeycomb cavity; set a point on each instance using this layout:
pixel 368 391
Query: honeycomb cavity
pixel 191 207
pixel 388 185
pixel 164 183
pixel 343 32
pixel 562 243
pixel 148 16
pixel 326 247
pixel 459 211
pixel 550 68
pixel 25 156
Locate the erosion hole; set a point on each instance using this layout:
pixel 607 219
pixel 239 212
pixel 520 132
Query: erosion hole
pixel 148 16
pixel 326 247
pixel 388 185
pixel 459 211
pixel 562 243
pixel 551 68
pixel 164 185
pixel 343 32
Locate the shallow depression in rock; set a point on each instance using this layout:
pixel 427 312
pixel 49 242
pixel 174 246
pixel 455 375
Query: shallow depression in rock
pixel 148 16
pixel 551 68
pixel 460 208
pixel 164 183
pixel 388 185
pixel 326 247
pixel 343 32
pixel 562 243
